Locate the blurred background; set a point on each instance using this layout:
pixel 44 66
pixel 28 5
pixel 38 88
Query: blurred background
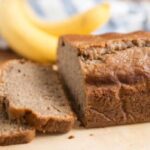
pixel 124 16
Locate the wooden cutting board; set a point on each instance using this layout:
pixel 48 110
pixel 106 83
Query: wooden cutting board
pixel 131 137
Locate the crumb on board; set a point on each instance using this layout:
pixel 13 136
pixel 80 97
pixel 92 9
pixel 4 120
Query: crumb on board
pixel 71 137
pixel 91 134
pixel 55 67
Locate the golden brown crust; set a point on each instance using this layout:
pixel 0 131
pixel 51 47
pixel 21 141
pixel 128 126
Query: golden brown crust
pixel 95 55
pixel 117 104
pixel 17 138
pixel 42 124
pixel 85 41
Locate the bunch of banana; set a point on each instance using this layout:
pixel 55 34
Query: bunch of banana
pixel 37 40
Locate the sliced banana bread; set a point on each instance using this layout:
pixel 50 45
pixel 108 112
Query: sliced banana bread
pixel 34 95
pixel 12 132
pixel 108 76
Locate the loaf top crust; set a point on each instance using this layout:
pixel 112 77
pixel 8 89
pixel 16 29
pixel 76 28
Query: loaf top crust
pixel 85 41
pixel 112 58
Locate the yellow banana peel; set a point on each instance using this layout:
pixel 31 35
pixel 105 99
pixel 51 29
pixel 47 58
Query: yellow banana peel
pixel 83 23
pixel 24 37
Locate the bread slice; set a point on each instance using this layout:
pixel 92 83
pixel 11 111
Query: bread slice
pixel 34 95
pixel 108 76
pixel 12 132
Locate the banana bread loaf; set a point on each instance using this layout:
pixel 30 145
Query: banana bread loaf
pixel 108 76
pixel 33 95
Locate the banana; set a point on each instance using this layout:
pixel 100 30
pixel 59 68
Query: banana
pixel 27 36
pixel 83 23
pixel 23 36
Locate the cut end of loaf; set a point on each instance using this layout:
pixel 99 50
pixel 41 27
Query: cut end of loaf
pixel 70 71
